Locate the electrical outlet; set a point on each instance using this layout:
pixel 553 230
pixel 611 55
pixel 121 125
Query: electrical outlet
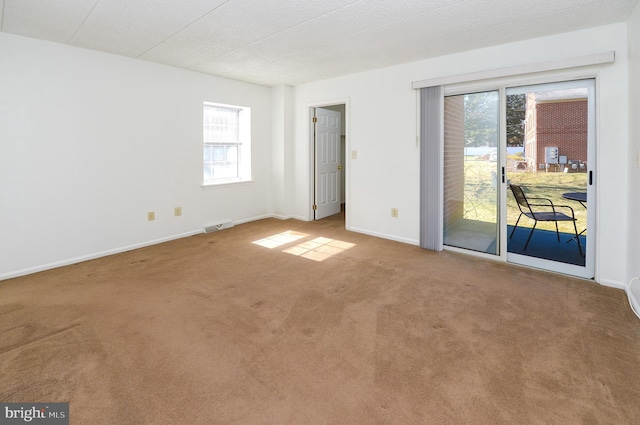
pixel 394 212
pixel 151 216
pixel 177 211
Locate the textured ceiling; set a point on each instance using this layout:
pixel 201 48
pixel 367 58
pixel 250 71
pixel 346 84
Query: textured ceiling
pixel 274 42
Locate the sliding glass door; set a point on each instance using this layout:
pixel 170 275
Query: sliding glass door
pixel 550 156
pixel 471 171
pixel 540 139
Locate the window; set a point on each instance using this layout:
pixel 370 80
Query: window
pixel 226 144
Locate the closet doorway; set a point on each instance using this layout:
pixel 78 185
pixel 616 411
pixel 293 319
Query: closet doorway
pixel 328 138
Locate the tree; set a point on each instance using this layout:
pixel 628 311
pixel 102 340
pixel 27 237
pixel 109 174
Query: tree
pixel 516 113
pixel 481 119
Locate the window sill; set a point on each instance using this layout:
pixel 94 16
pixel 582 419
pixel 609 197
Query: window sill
pixel 225 183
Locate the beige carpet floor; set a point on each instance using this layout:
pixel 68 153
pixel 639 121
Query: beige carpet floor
pixel 316 325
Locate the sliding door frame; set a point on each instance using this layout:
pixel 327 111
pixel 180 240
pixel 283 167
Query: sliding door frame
pixel 501 85
pixel 586 271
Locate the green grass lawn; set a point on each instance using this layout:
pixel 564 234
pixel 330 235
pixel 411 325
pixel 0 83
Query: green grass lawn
pixel 480 193
pixel 551 186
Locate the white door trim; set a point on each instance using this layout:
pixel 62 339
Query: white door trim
pixel 328 162
pixel 311 155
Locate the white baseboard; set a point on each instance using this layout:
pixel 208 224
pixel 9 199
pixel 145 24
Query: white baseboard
pixel 633 293
pixel 93 256
pixel 384 236
pixel 255 218
pixel 288 217
pixel 611 283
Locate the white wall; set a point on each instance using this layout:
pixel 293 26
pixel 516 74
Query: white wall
pixel 90 142
pixel 383 129
pixel 281 142
pixel 633 193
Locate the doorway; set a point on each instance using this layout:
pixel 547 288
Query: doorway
pixel 540 138
pixel 328 135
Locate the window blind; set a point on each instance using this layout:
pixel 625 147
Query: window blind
pixel 431 167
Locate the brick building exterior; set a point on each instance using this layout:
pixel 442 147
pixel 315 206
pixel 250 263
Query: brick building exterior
pixel 453 159
pixel 556 121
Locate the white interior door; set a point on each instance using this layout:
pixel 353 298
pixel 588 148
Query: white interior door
pixel 327 162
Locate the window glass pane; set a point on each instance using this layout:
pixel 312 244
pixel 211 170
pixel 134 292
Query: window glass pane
pixel 471 135
pixel 550 164
pixel 221 124
pixel 220 162
pixel 222 144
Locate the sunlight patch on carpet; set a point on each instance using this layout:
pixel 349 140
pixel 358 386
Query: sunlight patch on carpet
pixel 319 249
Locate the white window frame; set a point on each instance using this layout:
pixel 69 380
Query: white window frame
pixel 241 140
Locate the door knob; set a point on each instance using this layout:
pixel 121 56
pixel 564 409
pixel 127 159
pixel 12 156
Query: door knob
pixel 339 167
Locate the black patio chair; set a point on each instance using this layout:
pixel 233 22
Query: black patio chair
pixel 545 211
